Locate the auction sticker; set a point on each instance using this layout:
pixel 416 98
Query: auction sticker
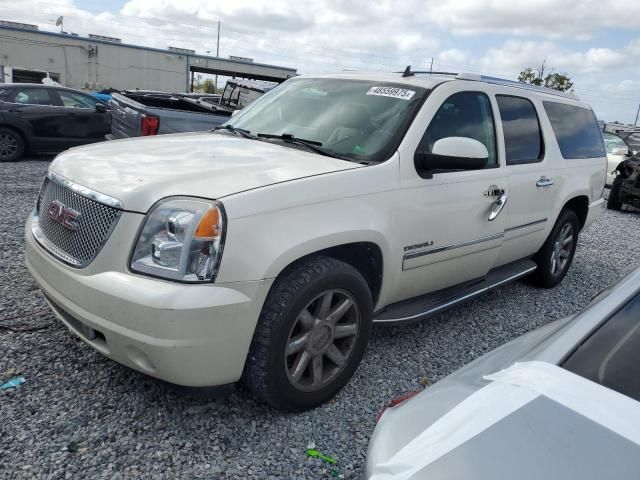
pixel 392 92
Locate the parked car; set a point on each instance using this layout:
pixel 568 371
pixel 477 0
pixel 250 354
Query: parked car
pixel 617 151
pixel 43 118
pixel 559 402
pixel 632 138
pixel 139 113
pixel 626 185
pixel 263 251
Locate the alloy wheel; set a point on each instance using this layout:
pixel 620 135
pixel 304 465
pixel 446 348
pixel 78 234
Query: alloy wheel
pixel 562 249
pixel 322 339
pixel 8 145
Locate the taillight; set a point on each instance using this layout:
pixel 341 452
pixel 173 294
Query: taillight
pixel 397 401
pixel 150 125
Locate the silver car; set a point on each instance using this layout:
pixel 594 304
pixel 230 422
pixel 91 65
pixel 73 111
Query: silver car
pixel 559 402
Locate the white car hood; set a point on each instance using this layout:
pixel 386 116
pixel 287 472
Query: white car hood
pixel 140 171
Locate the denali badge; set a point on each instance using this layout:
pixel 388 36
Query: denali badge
pixel 67 217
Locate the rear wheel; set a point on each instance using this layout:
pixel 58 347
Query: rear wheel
pixel 614 202
pixel 556 255
pixel 11 145
pixel 311 335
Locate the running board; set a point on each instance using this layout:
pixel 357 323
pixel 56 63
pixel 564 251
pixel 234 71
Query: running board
pixel 427 305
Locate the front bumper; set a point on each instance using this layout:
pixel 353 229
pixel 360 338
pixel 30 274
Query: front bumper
pixel 190 335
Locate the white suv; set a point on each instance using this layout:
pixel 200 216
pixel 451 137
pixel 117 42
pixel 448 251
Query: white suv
pixel 263 251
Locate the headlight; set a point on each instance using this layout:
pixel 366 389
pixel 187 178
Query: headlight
pixel 181 240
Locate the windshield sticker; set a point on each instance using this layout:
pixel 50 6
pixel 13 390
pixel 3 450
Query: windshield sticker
pixel 392 92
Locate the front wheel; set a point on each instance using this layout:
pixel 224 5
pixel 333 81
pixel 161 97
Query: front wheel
pixel 556 255
pixel 311 335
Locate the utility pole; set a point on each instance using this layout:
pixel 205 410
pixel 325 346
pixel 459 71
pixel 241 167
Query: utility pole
pixel 431 67
pixel 215 85
pixel 635 124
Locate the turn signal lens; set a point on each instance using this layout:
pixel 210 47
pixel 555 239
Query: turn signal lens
pixel 209 227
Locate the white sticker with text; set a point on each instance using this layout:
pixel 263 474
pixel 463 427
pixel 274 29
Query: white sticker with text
pixel 392 92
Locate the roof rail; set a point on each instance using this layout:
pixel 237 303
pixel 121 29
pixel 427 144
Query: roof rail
pixel 494 80
pixel 515 84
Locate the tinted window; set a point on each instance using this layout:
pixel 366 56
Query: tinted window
pixel 522 135
pixel 77 100
pixel 611 356
pixel 32 96
pixel 465 114
pixel 576 129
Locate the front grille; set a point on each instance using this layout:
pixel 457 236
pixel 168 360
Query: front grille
pixel 77 247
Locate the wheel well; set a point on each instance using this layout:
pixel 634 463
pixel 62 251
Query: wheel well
pixel 366 257
pixel 580 205
pixel 19 132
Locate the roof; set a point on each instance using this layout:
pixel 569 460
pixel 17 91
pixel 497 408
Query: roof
pixel 431 80
pixel 139 47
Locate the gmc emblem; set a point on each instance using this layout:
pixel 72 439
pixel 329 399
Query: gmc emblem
pixel 67 217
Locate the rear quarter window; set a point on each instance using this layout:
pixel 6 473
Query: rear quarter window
pixel 576 129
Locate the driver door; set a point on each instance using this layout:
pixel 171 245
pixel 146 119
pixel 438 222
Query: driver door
pixel 82 122
pixel 446 228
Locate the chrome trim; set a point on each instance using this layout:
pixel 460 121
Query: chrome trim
pixel 544 182
pixel 85 192
pixel 525 225
pixel 410 255
pixel 50 247
pixel 497 207
pixel 460 299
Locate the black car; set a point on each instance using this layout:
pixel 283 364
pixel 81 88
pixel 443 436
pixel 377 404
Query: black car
pixel 44 118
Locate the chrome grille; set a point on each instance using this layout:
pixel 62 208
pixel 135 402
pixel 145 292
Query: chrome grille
pixel 77 247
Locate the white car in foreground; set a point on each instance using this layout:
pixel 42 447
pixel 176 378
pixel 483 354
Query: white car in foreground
pixel 557 403
pixel 263 251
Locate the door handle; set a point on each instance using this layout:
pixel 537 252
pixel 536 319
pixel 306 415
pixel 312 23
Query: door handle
pixel 497 206
pixel 544 182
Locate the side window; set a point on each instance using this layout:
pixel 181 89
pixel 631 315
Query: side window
pixel 522 136
pixel 77 100
pixel 611 355
pixel 464 114
pixel 576 129
pixel 32 96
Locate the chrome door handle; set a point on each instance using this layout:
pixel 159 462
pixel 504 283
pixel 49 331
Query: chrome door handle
pixel 497 206
pixel 544 182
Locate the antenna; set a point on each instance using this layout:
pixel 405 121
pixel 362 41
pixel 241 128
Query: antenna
pixel 59 23
pixel 407 72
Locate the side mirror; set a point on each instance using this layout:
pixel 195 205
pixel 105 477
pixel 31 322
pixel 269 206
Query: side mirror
pixel 452 153
pixel 101 108
pixel 620 151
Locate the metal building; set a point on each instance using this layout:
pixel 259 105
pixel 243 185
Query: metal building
pixel 96 62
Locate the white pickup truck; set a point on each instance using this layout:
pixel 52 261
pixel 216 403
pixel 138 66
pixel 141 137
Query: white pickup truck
pixel 264 251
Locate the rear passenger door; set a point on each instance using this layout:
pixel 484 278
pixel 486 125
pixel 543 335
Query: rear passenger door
pixel 33 110
pixel 532 190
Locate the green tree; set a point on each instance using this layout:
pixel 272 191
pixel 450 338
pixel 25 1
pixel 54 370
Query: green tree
pixel 208 86
pixel 557 81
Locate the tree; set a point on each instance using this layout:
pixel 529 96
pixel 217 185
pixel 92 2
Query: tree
pixel 208 86
pixel 557 81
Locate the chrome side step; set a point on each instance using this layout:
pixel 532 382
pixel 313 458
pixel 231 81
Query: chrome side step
pixel 430 304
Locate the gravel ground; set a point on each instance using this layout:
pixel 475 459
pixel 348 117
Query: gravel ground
pixel 80 415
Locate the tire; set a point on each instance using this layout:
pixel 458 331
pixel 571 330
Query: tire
pixel 549 274
pixel 614 202
pixel 12 145
pixel 286 337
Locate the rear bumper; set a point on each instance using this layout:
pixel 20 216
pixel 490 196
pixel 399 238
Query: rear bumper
pixel 595 210
pixel 188 335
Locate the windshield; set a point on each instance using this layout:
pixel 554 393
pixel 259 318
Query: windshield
pixel 353 119
pixel 612 141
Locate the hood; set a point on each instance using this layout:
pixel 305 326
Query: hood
pixel 141 171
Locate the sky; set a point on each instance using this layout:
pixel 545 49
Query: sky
pixel 597 43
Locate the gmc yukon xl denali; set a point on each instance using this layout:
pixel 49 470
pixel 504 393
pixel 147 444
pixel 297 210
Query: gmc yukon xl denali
pixel 262 252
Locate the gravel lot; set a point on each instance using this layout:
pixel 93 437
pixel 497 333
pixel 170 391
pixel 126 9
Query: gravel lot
pixel 80 415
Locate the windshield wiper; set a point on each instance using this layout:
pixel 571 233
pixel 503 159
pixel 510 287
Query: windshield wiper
pixel 310 144
pixel 231 128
